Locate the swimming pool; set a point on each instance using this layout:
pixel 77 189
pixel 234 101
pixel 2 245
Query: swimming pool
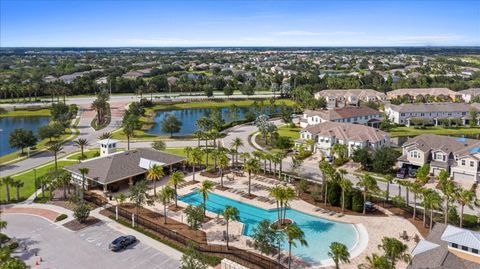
pixel 319 232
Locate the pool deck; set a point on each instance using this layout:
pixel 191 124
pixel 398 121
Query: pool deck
pixel 370 229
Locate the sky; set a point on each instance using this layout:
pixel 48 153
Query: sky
pixel 128 23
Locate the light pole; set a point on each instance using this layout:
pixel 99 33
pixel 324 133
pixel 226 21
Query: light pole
pixel 35 181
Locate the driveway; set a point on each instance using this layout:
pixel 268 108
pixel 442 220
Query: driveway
pixel 88 248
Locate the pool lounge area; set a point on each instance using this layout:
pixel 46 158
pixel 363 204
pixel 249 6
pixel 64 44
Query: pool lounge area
pixel 319 232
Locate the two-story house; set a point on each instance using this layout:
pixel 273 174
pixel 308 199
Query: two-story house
pixel 458 156
pixel 356 115
pixel 425 93
pixel 351 97
pixel 327 134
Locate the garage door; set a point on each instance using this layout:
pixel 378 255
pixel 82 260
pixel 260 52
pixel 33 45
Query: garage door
pixel 460 176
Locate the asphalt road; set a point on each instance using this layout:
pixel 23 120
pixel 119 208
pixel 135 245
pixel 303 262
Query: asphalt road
pixel 87 248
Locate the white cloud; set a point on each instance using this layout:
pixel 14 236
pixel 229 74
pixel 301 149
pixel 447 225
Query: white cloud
pixel 309 33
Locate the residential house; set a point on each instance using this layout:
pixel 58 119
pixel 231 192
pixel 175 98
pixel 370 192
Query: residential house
pixel 458 156
pixel 137 73
pixel 425 93
pixel 355 115
pixel 352 97
pixel 447 247
pixel 468 94
pixel 327 134
pixel 433 113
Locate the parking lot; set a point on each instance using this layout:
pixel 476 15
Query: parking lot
pixel 88 248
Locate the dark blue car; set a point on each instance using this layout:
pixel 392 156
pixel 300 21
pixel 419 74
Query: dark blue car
pixel 122 242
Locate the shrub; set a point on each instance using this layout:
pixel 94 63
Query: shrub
pixel 348 200
pixel 470 221
pixel 316 193
pixel 81 212
pixel 61 217
pixel 4 238
pixel 357 201
pixel 334 194
pixel 303 185
pixel 13 246
pixel 453 217
pixel 283 142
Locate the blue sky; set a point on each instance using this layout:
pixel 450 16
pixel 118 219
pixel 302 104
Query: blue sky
pixel 239 23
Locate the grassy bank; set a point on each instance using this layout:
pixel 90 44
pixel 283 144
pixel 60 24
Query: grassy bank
pixel 29 181
pixel 293 133
pixel 410 131
pixel 26 113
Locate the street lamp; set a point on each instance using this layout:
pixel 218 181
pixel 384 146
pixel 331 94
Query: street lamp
pixel 35 181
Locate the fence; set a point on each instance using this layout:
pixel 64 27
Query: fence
pixel 244 257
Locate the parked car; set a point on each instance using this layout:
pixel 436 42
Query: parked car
pixel 402 173
pixel 412 172
pixel 122 242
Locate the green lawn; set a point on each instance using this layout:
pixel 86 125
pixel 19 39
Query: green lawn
pixel 29 181
pixel 88 154
pixel 293 133
pixel 212 104
pixel 26 113
pixel 410 131
pixel 139 135
pixel 181 152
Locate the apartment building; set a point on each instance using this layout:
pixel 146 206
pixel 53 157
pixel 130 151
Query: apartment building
pixel 425 93
pixel 356 115
pixel 352 97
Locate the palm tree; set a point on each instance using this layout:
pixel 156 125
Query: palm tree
pixel 394 250
pixel 199 135
pixel 105 135
pixel 155 173
pixel 244 155
pixel 368 183
pixel 277 193
pixel 165 195
pixel 417 190
pixel 222 163
pixel 376 262
pixel 83 171
pixel 176 178
pixel 205 188
pixel 195 158
pixel 7 182
pixel 294 233
pixel 448 189
pixel 64 179
pixel 55 149
pixel 465 198
pixel 129 132
pixel 236 143
pixel 251 166
pixel 188 151
pixel 339 253
pixel 389 179
pixel 346 185
pixel 289 195
pixel 138 195
pixel 432 201
pixel 82 143
pixel 230 213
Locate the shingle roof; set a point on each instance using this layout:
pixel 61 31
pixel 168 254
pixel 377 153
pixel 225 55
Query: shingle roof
pixel 432 107
pixel 122 165
pixel 346 131
pixel 421 91
pixel 472 91
pixel 343 113
pixel 350 92
pixel 447 144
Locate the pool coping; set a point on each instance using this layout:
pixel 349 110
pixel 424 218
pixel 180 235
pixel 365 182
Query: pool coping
pixel 358 248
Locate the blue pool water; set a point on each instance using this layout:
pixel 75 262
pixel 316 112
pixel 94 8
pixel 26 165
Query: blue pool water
pixel 8 124
pixel 319 233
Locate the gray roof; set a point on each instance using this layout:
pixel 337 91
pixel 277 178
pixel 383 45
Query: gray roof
pixel 122 165
pixel 343 113
pixel 447 144
pixel 346 131
pixel 472 91
pixel 432 107
pixel 431 257
pixel 421 91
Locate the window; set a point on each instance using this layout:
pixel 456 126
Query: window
pixel 465 248
pixel 474 250
pixel 472 164
pixel 463 162
pixel 454 245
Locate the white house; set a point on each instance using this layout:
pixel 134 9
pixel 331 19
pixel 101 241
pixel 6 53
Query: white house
pixel 356 115
pixel 351 97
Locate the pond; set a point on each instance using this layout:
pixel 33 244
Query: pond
pixel 189 117
pixel 8 124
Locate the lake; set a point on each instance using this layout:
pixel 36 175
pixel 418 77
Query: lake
pixel 189 117
pixel 8 124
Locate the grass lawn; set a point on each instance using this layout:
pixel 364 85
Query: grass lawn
pixel 26 113
pixel 139 135
pixel 212 104
pixel 293 133
pixel 181 152
pixel 29 181
pixel 410 131
pixel 88 154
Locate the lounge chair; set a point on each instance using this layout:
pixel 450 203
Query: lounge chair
pixel 332 213
pixel 339 215
pixel 317 209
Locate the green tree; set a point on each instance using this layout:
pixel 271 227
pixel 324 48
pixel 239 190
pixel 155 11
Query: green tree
pixel 236 143
pixel 222 164
pixel 138 195
pixel 384 159
pixel 417 190
pixel 368 183
pixel 159 145
pixel 264 237
pixel 194 159
pixel 394 250
pixel 81 212
pixel 81 143
pixel 293 234
pixel 465 198
pixel 83 171
pixel 376 262
pixel 55 149
pixel 230 213
pixel 176 178
pixel 7 182
pixel 432 201
pixel 154 173
pixel 171 124
pixel 191 259
pixel 194 216
pixel 205 188
pixel 448 189
pixel 251 166
pixel 130 124
pixel 346 186
pixel 50 131
pixel 21 138
pixel 472 121
pixel 165 195
pixel 339 253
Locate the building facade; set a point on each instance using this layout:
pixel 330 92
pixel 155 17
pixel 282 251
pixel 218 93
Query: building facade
pixel 356 115
pixel 351 97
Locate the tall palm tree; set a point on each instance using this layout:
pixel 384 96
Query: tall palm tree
pixel 389 179
pixel 83 171
pixel 105 135
pixel 55 149
pixel 432 201
pixel 376 262
pixel 465 198
pixel 222 164
pixel 448 189
pixel 188 151
pixel 368 183
pixel 230 213
pixel 7 182
pixel 176 178
pixel 417 190
pixel 339 253
pixel 346 185
pixel 81 143
pixel 236 143
pixel 205 188
pixel 18 185
pixel 129 132
pixel 165 195
pixel 289 195
pixel 64 179
pixel 293 234
pixel 327 176
pixel 155 173
pixel 195 158
pixel 394 250
pixel 251 166
pixel 277 192
pixel 199 135
pixel 244 155
pixel 138 195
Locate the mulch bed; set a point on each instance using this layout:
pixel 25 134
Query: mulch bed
pixel 222 188
pixel 75 225
pixel 59 200
pixel 418 223
pixel 174 208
